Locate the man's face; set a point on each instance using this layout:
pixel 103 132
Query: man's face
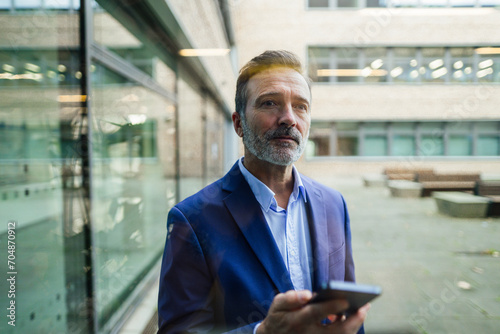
pixel 276 124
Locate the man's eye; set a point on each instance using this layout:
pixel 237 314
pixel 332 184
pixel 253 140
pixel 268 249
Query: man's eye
pixel 301 107
pixel 268 103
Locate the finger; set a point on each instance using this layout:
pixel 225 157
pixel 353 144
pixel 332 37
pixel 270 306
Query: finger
pixel 291 300
pixel 354 322
pixel 320 311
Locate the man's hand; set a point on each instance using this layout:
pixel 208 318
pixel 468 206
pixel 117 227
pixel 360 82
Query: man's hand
pixel 291 313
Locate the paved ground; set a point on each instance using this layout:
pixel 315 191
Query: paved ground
pixel 439 274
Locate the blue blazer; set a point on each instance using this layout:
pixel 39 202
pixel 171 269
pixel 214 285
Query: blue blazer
pixel 221 267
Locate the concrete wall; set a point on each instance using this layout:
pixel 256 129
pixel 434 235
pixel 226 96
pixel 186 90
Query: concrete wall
pixel 405 102
pixel 282 24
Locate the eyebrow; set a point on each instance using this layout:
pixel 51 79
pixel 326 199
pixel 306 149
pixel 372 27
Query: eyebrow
pixel 274 94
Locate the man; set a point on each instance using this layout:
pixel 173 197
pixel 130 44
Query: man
pixel 244 254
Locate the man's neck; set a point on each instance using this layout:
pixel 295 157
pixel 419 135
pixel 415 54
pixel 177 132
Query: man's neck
pixel 278 178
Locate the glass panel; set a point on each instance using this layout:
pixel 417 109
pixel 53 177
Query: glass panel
pixel 488 146
pixel 133 184
pixel 459 127
pixel 404 3
pixel 5 4
pixel 430 126
pixel 319 59
pixel 375 146
pixel 403 126
pixel 488 126
pixel 347 65
pixel 403 145
pixel 489 3
pixel 462 64
pixel 320 146
pixel 460 145
pixel 37 168
pixel 376 3
pixel 406 66
pixel 28 4
pixel 347 3
pixel 488 66
pixel 318 3
pixel 462 3
pixel 191 126
pixel 111 34
pixel 58 4
pixel 347 126
pixel 375 69
pixel 214 142
pixel 433 67
pixel 347 146
pixel 375 126
pixel 431 145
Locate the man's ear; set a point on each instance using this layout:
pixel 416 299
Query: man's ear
pixel 237 124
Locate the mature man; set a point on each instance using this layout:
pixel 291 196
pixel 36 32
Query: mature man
pixel 244 254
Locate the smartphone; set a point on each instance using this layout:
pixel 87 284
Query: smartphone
pixel 356 295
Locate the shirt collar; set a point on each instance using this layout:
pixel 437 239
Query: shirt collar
pixel 264 195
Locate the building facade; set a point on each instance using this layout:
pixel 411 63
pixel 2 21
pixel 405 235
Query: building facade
pixel 407 82
pixel 104 125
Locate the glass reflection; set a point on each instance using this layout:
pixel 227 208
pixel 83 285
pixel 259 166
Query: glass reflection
pixel 36 160
pixel 133 183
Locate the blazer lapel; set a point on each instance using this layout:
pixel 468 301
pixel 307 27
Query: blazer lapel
pixel 316 213
pixel 248 216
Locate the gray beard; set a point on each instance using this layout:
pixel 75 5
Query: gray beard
pixel 283 155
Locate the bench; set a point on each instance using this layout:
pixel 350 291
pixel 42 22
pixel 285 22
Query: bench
pixel 490 190
pixel 408 174
pixel 374 180
pixel 465 182
pixel 404 188
pixel 460 204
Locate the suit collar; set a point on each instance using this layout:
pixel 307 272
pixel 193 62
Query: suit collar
pixel 316 214
pixel 247 214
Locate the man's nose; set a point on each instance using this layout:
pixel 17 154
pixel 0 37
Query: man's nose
pixel 287 116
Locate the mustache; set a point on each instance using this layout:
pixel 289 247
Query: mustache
pixel 285 131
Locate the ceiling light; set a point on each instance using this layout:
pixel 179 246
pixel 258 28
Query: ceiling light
pixel 439 73
pixel 436 63
pixel 8 68
pixel 376 64
pixel 458 65
pixel 32 67
pixel 485 63
pixel 488 51
pixel 203 52
pixel 485 72
pixel 458 74
pixel 397 71
pixel 71 98
pixel 351 72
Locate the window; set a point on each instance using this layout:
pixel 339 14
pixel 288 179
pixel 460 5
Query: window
pixel 375 145
pixel 318 3
pixel 332 4
pixel 433 68
pixel 462 63
pixel 426 139
pixel 436 65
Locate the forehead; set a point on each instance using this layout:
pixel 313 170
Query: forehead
pixel 278 80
